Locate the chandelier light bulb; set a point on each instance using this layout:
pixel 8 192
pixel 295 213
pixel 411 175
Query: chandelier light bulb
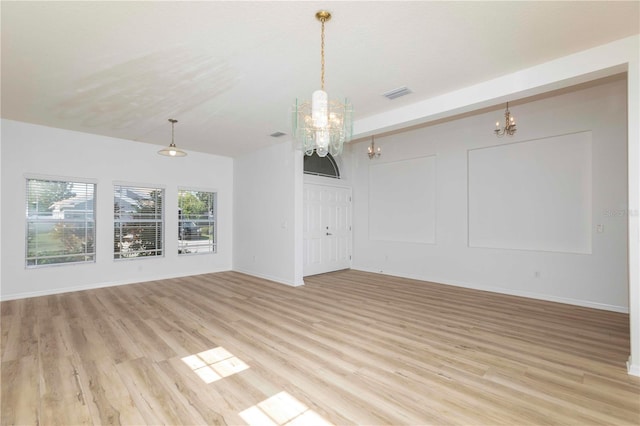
pixel 320 109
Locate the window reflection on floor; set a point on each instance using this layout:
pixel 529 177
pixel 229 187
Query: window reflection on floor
pixel 281 409
pixel 214 364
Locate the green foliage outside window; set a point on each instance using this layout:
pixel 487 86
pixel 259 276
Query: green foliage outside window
pixel 60 222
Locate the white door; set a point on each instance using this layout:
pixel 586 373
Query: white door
pixel 327 228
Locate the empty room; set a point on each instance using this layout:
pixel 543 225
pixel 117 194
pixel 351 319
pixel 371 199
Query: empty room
pixel 320 213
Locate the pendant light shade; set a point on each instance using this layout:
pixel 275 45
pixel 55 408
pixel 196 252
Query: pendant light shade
pixel 172 150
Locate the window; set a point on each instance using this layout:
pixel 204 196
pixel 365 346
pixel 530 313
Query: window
pixel 60 222
pixel 321 166
pixel 196 222
pixel 138 221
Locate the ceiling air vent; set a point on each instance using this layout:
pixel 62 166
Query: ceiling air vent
pixel 396 93
pixel 277 134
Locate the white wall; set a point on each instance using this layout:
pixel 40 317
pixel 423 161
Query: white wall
pixel 268 213
pixel 598 279
pixel 31 149
pixel 633 100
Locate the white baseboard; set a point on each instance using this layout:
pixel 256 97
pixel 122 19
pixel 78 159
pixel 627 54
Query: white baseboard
pixel 500 290
pixel 268 277
pixel 61 290
pixel 633 369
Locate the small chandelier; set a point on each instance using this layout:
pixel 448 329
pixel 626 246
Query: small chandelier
pixel 372 151
pixel 322 126
pixel 172 150
pixel 509 124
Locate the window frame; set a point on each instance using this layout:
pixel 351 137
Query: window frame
pixel 212 244
pixel 90 232
pixel 159 220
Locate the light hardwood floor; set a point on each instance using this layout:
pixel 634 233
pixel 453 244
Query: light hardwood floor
pixel 348 348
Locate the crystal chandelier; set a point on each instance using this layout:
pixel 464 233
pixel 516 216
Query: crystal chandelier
pixel 172 150
pixel 509 124
pixel 322 125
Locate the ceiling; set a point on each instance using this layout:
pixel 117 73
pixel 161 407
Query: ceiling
pixel 230 71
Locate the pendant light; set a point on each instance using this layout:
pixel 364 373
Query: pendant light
pixel 372 151
pixel 322 125
pixel 172 150
pixel 509 124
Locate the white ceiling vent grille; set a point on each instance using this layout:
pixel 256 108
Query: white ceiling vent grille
pixel 396 93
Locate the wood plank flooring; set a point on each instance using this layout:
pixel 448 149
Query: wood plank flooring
pixel 347 348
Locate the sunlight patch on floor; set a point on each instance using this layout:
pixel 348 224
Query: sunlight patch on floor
pixel 279 410
pixel 214 364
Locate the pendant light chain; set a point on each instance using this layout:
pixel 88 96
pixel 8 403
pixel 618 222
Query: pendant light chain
pixel 173 123
pixel 322 55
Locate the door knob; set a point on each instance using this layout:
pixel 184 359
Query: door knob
pixel 328 233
